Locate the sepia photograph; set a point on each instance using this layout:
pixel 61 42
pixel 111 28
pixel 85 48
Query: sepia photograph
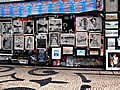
pixel 29 42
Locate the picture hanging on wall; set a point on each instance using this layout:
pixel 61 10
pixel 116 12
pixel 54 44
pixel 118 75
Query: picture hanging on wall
pixel 42 25
pixel 56 53
pixel 41 55
pixel 94 52
pixel 28 27
pixel 81 23
pixel 19 42
pixel 6 27
pixel 55 25
pixel 54 39
pixel 17 26
pixel 29 42
pixel 67 39
pixel 69 61
pixel 95 24
pixel 7 42
pixel 111 33
pixel 41 40
pixel 81 39
pixel 118 41
pixel 111 24
pixel 112 59
pixel 81 52
pixel 111 43
pixel 67 50
pixel 0 42
pixel 111 16
pixel 95 40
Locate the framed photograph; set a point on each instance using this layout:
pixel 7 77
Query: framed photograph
pixel 111 16
pixel 81 52
pixel 95 24
pixel 95 52
pixel 111 24
pixel 6 27
pixel 7 42
pixel 81 39
pixel 67 39
pixel 19 42
pixel 112 59
pixel 41 40
pixel 55 25
pixel 69 61
pixel 28 27
pixel 41 55
pixel 56 53
pixel 67 50
pixel 111 43
pixel 42 25
pixel 54 39
pixel 94 40
pixel 17 26
pixel 111 33
pixel 81 23
pixel 0 42
pixel 29 42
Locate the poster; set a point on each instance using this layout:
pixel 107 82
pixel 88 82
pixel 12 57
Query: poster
pixel 95 40
pixel 111 43
pixel 111 24
pixel 112 59
pixel 67 50
pixel 29 42
pixel 55 25
pixel 6 27
pixel 81 23
pixel 69 61
pixel 19 42
pixel 81 52
pixel 111 33
pixel 41 55
pixel 28 27
pixel 54 39
pixel 68 24
pixel 81 39
pixel 41 40
pixel 67 39
pixel 95 24
pixel 56 53
pixel 17 26
pixel 111 16
pixel 42 25
pixel 7 42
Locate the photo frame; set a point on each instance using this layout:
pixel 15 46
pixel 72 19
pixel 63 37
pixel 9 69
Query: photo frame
pixel 81 39
pixel 81 52
pixel 67 50
pixel 56 53
pixel 111 33
pixel 112 59
pixel 94 40
pixel 111 24
pixel 111 43
pixel 111 16
pixel 94 52
pixel 28 27
pixel 29 42
pixel 41 55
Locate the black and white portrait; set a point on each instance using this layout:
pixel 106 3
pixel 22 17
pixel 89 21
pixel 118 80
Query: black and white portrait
pixel 67 39
pixel 55 25
pixel 81 23
pixel 17 26
pixel 6 27
pixel 54 39
pixel 29 27
pixel 29 42
pixel 94 40
pixel 81 39
pixel 19 42
pixel 41 41
pixel 7 42
pixel 95 24
pixel 42 26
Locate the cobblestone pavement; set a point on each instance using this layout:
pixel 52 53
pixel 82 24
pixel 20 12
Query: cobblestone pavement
pixel 20 77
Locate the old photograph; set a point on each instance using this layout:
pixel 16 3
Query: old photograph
pixel 28 27
pixel 6 27
pixel 29 42
pixel 111 16
pixel 55 25
pixel 94 40
pixel 54 39
pixel 42 26
pixel 81 39
pixel 19 42
pixel 41 41
pixel 110 43
pixel 67 39
pixel 17 26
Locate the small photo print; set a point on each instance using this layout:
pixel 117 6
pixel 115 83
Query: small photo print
pixel 111 43
pixel 94 52
pixel 29 27
pixel 111 24
pixel 56 53
pixel 29 42
pixel 111 16
pixel 81 52
pixel 111 33
pixel 67 50
pixel 6 27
